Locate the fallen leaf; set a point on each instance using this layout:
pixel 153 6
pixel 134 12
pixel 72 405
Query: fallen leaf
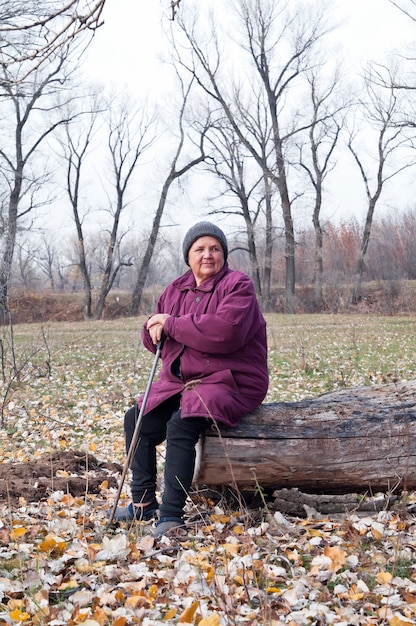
pixel 212 620
pixel 400 620
pixel 113 548
pixel 337 556
pixel 119 621
pixel 383 578
pixel 19 616
pixel 18 532
pixel 188 615
pixel 170 614
pixel 146 543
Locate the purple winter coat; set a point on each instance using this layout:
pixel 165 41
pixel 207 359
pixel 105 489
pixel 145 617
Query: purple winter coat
pixel 219 333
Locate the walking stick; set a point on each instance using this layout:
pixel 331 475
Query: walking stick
pixel 136 431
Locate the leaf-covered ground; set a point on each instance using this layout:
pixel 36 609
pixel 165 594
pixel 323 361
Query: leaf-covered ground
pixel 61 563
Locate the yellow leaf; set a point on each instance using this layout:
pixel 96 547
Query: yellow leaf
pixel 351 594
pixel 84 568
pixel 219 517
pixel 293 555
pixel 136 601
pixel 15 603
pixel 67 499
pixel 99 616
pixel 399 620
pixel 356 597
pixel 18 532
pixel 119 596
pixel 119 621
pixel 42 597
pixel 153 591
pixel 408 611
pixel 19 616
pixel 188 615
pixel 170 614
pixel 47 544
pixel 212 620
pixel 68 584
pixel 384 613
pixel 337 556
pixel 92 446
pixel 383 577
pixel 50 543
pixel 231 548
pixel 238 530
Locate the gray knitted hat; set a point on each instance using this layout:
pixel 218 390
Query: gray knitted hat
pixel 203 229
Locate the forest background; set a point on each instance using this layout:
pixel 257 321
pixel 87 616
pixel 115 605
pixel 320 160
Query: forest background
pixel 256 113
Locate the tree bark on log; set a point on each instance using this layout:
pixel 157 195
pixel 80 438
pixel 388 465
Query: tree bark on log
pixel 351 440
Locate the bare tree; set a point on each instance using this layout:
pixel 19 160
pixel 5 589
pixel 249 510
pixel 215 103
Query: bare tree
pixel 389 140
pixel 25 266
pixel 129 131
pixel 33 31
pixel 408 7
pixel 28 117
pixel 175 172
pixel 316 157
pixel 130 134
pixel 279 45
pixel 49 260
pixel 74 152
pixel 255 193
pixel 234 167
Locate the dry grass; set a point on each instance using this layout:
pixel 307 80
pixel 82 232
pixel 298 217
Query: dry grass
pixel 61 564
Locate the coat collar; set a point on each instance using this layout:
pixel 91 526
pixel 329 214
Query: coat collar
pixel 187 282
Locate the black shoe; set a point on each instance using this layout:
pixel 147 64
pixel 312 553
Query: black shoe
pixel 135 513
pixel 173 528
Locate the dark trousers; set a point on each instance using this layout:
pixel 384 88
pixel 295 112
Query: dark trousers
pixel 181 435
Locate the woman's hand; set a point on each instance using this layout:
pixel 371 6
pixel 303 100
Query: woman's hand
pixel 155 326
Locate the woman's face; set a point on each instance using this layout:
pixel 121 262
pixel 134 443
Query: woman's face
pixel 205 258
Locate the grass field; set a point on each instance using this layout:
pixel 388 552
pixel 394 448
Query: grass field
pixel 310 355
pixel 82 376
pixel 61 564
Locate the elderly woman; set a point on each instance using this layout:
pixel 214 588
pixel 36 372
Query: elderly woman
pixel 214 368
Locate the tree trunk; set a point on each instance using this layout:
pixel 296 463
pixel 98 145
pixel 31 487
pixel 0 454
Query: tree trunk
pixel 268 303
pixel 351 440
pixel 318 265
pixel 148 254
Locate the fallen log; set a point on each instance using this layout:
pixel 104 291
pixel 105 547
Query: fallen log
pixel 350 440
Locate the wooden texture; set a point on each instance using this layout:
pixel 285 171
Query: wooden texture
pixel 360 439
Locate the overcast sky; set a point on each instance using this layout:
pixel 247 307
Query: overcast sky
pixel 126 48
